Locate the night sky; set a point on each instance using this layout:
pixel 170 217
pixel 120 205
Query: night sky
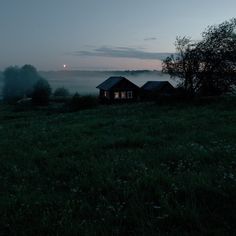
pixel 101 34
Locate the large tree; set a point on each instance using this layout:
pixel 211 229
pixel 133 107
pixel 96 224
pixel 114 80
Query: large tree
pixel 217 51
pixel 207 67
pixel 19 82
pixel 183 65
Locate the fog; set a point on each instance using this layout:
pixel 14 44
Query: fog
pixel 1 84
pixel 85 82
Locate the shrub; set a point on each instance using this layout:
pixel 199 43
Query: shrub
pixel 61 92
pixel 41 93
pixel 78 102
pixel 19 82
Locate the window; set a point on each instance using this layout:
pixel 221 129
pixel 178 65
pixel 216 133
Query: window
pixel 123 95
pixel 116 95
pixel 130 94
pixel 106 94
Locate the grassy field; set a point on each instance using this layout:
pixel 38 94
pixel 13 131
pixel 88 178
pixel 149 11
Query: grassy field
pixel 137 169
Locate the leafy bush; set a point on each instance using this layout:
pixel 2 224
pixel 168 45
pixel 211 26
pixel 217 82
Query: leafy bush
pixel 41 93
pixel 61 92
pixel 19 82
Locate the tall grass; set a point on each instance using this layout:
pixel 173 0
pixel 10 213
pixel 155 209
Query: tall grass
pixel 137 169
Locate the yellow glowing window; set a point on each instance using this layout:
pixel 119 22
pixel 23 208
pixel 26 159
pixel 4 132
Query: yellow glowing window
pixel 106 94
pixel 116 95
pixel 123 95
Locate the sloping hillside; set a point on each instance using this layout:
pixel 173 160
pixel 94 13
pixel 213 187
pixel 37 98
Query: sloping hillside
pixel 139 169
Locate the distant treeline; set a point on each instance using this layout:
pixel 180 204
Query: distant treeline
pixel 102 73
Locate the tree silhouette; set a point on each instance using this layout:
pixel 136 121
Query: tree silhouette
pixel 41 92
pixel 19 82
pixel 207 67
pixel 184 65
pixel 61 92
pixel 217 52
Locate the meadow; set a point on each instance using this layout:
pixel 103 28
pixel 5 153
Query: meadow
pixel 134 169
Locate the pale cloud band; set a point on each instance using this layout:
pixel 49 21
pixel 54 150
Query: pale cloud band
pixel 150 39
pixel 122 52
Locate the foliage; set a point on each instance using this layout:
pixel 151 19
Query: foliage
pixel 218 58
pixel 207 67
pixel 184 65
pixel 78 102
pixel 61 92
pixel 136 169
pixel 19 82
pixel 41 92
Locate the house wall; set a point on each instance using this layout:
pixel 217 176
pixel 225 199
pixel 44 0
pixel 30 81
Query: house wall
pixel 166 91
pixel 122 87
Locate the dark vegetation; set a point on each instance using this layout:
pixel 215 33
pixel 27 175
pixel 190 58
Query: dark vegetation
pixel 61 92
pixel 78 102
pixel 137 169
pixel 207 67
pixel 41 92
pixel 26 89
pixel 19 82
pixel 23 83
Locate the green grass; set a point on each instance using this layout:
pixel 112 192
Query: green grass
pixel 137 169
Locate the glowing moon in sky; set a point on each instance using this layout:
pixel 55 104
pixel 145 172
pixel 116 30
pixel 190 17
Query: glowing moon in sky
pixel 64 66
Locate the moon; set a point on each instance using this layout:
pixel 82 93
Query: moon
pixel 64 66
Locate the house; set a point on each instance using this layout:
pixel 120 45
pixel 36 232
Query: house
pixel 117 88
pixel 155 89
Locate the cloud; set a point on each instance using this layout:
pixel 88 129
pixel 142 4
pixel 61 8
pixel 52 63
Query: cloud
pixel 122 52
pixel 150 39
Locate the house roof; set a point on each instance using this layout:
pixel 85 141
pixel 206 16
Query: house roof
pixel 155 85
pixel 111 82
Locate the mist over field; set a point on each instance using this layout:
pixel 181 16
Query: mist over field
pixel 85 82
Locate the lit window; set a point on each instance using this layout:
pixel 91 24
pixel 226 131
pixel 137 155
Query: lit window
pixel 123 95
pixel 106 94
pixel 116 95
pixel 130 94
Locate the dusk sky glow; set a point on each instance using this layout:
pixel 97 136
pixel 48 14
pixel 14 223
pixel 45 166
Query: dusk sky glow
pixel 101 34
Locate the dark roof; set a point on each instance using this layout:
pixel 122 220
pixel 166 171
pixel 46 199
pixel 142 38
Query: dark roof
pixel 111 82
pixel 155 85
